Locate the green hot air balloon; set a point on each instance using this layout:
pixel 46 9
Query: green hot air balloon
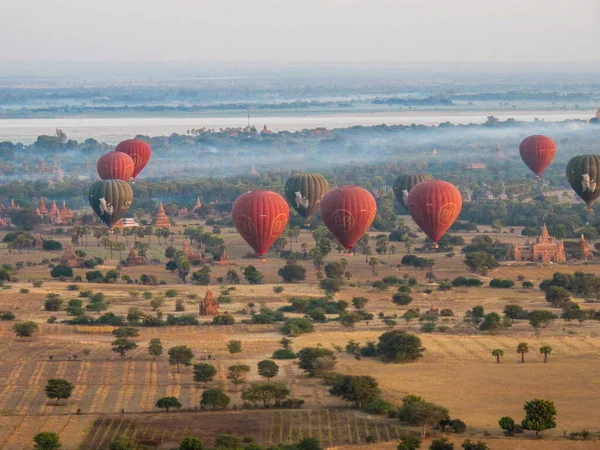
pixel 110 200
pixel 304 192
pixel 404 184
pixel 582 173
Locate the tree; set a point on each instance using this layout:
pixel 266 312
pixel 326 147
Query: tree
pixel 168 403
pixel 373 262
pixel 238 374
pixel 522 348
pixel 497 352
pixel 507 424
pixel 25 329
pixel 415 411
pixel 122 346
pixel 359 390
pixel 292 272
pixel 397 346
pixel 266 393
pixel 232 277
pixel 401 298
pixel 52 303
pixel 234 346
pixel 479 445
pixel 123 443
pixel 46 440
pixel 409 442
pixel 126 332
pixel 268 369
pixel 180 355
pixel 330 285
pixel 545 350
pixel 539 415
pixel 477 313
pixel 310 359
pixel 27 219
pixel 202 276
pixel 203 373
pixel 155 348
pixel 191 443
pixel 491 322
pixel 214 399
pixel 360 302
pixel 171 266
pixel 57 388
pixel 540 318
pixel 60 270
pixel 252 275
pixel 481 262
pixel 441 444
pixel 557 296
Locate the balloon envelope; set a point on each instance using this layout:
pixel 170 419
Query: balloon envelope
pixel 348 212
pixel 582 173
pixel 537 152
pixel 404 184
pixel 260 217
pixel 110 200
pixel 115 166
pixel 434 206
pixel 138 150
pixel 304 192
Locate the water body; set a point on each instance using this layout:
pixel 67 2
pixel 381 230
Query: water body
pixel 113 130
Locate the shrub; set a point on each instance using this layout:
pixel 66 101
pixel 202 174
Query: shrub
pixel 284 353
pixel 379 406
pixel 170 293
pixel 7 316
pixel 61 271
pixel 401 298
pixel 501 284
pixel 463 281
pixel 297 326
pixel 49 244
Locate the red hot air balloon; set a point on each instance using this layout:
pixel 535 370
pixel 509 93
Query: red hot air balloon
pixel 139 151
pixel 348 212
pixel 115 166
pixel 260 217
pixel 537 152
pixel 434 206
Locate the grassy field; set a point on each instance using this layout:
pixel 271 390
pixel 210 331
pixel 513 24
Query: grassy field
pixel 115 396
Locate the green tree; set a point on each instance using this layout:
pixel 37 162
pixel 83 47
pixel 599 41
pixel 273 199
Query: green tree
pixel 214 399
pixel 126 332
pixel 123 443
pixel 540 415
pixel 477 313
pixel 497 352
pixel 308 443
pixel 540 318
pixel 234 346
pixel 25 329
pixel 441 444
pixel 507 424
pixel 360 302
pixel 491 322
pixel 397 346
pixel 373 262
pixel 268 369
pixel 57 388
pixel 203 373
pixel 481 262
pixel 180 355
pixel 168 403
pixel 252 275
pixel 232 277
pixel 122 346
pixel 191 443
pixel 359 390
pixel 479 445
pixel 409 442
pixel 53 303
pixel 46 440
pixel 310 359
pixel 266 393
pixel 202 276
pixel 522 348
pixel 421 413
pixel 557 296
pixel 155 348
pixel 545 350
pixel 292 272
pixel 238 374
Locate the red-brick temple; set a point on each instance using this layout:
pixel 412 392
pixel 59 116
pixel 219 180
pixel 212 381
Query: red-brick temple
pixel 208 306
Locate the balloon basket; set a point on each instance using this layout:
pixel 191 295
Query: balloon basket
pixel 435 245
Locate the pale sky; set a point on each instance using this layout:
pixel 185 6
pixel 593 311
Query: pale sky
pixel 300 30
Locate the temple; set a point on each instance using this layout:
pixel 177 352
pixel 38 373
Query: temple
pixel 134 259
pixel 208 306
pixel 162 221
pixel 544 249
pixel 69 257
pixel 585 252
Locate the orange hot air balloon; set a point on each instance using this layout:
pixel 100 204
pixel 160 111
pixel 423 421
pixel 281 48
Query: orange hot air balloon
pixel 115 166
pixel 260 217
pixel 537 152
pixel 434 206
pixel 348 212
pixel 139 151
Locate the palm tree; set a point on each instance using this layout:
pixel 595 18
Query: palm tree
pixel 348 275
pixel 522 348
pixel 373 262
pixel 344 263
pixel 546 350
pixel 497 352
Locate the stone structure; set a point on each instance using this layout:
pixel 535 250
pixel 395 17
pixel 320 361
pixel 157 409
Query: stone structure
pixel 183 212
pixel 476 166
pixel 65 214
pixel 39 242
pixel 134 259
pixel 253 172
pixel 3 223
pixel 69 258
pixel 162 221
pixel 198 204
pixel 265 131
pixel 585 252
pixel 544 249
pixel 208 306
pixel 43 211
pixel 192 254
pixel 13 205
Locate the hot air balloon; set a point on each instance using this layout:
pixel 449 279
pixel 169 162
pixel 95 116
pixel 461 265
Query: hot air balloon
pixel 537 152
pixel 434 206
pixel 348 212
pixel 110 200
pixel 582 173
pixel 139 151
pixel 115 166
pixel 304 192
pixel 404 184
pixel 260 217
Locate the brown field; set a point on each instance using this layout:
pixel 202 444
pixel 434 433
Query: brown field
pixel 115 396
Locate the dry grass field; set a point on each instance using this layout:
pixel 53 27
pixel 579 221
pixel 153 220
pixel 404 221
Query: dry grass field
pixel 115 396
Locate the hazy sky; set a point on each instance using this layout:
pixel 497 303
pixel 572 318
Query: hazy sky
pixel 300 30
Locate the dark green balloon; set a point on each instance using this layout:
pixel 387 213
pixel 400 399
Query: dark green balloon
pixel 304 192
pixel 110 200
pixel 583 174
pixel 406 183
